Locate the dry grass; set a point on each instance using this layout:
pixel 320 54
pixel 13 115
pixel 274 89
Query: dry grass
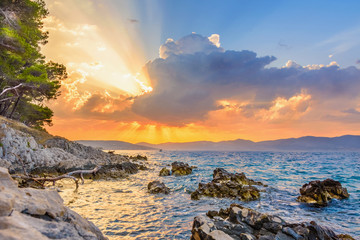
pixel 39 136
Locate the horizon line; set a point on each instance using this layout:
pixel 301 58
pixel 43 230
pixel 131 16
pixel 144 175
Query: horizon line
pixel 218 141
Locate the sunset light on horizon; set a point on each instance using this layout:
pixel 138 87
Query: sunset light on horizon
pixel 179 119
pixel 163 71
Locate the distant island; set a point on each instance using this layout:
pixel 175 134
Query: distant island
pixel 114 145
pixel 308 143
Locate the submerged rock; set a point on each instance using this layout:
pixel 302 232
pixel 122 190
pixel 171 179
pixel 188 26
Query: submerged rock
pixel 322 192
pixel 119 170
pixel 345 237
pixel 228 185
pixel 164 172
pixel 29 213
pixel 158 187
pixel 139 158
pixel 180 168
pixel 242 223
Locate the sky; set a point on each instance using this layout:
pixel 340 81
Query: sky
pixel 179 71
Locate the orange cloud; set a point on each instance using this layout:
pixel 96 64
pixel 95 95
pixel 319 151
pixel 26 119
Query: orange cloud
pixel 283 109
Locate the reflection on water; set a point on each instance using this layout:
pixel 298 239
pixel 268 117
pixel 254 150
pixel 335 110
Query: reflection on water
pixel 124 210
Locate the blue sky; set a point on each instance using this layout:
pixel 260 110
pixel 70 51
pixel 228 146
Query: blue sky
pixel 304 31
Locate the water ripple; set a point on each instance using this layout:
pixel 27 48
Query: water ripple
pixel 124 210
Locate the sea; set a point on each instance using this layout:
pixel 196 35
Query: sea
pixel 123 209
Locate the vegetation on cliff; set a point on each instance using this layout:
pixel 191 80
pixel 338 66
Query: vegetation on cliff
pixel 26 79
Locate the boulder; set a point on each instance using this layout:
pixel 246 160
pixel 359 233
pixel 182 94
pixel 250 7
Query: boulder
pixel 238 222
pixel 322 192
pixel 158 187
pixel 164 172
pixel 34 214
pixel 180 168
pixel 228 185
pixel 219 235
pixel 221 175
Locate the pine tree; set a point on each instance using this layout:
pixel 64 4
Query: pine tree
pixel 26 79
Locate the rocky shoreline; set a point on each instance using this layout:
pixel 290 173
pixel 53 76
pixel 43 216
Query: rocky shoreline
pixel 33 214
pixel 240 223
pixel 29 213
pixel 21 151
pixel 42 213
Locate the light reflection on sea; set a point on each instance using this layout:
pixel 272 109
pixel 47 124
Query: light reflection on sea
pixel 123 209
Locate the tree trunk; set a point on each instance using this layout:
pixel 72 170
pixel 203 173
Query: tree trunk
pixel 5 109
pixel 2 107
pixel 15 106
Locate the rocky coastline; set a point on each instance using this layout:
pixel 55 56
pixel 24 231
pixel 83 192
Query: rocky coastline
pixel 42 214
pixel 240 223
pixel 29 213
pixel 34 214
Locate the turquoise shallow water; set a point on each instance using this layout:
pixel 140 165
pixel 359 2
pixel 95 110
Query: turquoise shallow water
pixel 124 210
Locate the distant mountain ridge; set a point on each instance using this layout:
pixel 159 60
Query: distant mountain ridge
pixel 308 143
pixel 113 145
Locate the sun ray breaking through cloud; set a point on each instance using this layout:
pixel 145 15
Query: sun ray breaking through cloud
pixel 194 88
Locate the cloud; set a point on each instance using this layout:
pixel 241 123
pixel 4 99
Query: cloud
pixel 352 111
pixel 281 44
pixel 131 20
pixel 187 86
pixel 53 24
pixel 194 79
pixel 86 67
pixel 283 109
pixel 70 90
pixel 104 103
pixel 342 42
pixel 193 74
pixel 347 116
pixel 292 64
pixel 215 39
pixel 78 101
pixel 279 110
pixel 72 44
pixel 190 44
pixel 319 66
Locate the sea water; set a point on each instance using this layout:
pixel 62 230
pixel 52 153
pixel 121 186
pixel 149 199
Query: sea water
pixel 123 209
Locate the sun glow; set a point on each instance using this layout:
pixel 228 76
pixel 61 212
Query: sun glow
pixel 109 93
pixel 85 46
